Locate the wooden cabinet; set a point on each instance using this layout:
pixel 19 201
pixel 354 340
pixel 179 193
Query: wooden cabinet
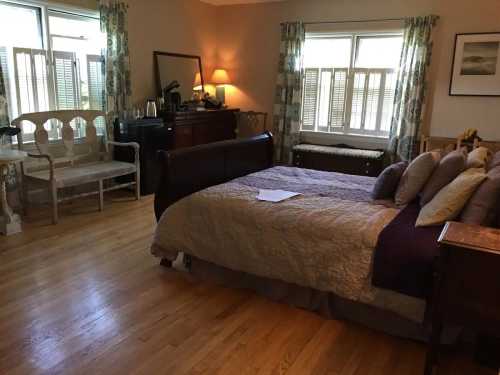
pixel 467 286
pixel 152 135
pixel 339 159
pixel 196 128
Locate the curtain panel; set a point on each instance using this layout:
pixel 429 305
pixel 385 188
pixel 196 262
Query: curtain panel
pixel 288 100
pixel 118 91
pixel 4 106
pixel 11 181
pixel 411 86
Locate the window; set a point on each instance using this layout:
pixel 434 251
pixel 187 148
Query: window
pixel 349 82
pixel 52 61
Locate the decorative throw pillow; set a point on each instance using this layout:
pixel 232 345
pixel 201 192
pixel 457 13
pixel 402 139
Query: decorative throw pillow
pixel 448 203
pixel 478 158
pixel 415 177
pixel 448 169
pixel 484 205
pixel 495 161
pixel 387 182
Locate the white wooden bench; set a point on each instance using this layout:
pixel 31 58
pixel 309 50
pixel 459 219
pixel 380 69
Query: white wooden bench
pixel 70 162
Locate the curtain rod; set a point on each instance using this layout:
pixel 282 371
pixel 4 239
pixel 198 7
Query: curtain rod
pixel 354 21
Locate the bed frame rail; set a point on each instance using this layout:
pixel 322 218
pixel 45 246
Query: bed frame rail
pixel 186 171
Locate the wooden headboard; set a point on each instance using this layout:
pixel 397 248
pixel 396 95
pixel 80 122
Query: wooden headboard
pixel 432 143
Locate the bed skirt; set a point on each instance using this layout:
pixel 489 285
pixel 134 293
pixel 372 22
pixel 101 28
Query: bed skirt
pixel 326 304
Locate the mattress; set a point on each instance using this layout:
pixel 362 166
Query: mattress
pixel 322 239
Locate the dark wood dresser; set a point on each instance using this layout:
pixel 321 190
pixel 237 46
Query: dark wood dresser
pixel 171 131
pixel 196 128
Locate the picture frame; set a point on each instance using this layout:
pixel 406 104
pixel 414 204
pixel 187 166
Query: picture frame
pixel 476 65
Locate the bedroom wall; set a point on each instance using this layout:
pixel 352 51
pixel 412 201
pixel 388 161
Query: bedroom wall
pixel 248 44
pixel 184 26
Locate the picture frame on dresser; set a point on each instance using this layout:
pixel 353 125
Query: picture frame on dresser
pixel 476 65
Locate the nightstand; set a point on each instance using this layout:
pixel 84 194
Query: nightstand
pixel 467 281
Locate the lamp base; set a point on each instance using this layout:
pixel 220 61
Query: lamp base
pixel 220 94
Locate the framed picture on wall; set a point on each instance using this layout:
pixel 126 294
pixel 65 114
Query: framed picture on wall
pixel 476 65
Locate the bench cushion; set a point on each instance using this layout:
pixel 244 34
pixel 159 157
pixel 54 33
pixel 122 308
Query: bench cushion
pixel 340 151
pixel 84 173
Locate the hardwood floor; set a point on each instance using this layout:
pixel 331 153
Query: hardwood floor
pixel 86 297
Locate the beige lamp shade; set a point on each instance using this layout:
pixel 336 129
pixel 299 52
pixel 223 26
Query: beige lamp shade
pixel 220 77
pixel 197 82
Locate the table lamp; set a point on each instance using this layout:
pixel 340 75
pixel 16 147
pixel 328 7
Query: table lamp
pixel 220 79
pixel 197 86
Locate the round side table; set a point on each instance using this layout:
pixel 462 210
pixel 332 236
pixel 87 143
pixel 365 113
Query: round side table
pixel 10 223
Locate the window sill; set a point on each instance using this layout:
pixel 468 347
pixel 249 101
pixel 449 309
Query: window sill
pixel 355 140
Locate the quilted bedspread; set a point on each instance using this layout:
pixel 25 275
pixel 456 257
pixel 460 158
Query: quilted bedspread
pixel 323 239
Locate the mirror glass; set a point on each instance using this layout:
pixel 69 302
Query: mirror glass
pixel 185 69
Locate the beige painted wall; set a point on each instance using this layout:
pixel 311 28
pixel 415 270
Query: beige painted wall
pixel 245 40
pixel 248 43
pixel 183 26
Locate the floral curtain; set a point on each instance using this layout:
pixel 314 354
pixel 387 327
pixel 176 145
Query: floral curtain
pixel 287 105
pixel 117 60
pixel 4 107
pixel 11 182
pixel 411 86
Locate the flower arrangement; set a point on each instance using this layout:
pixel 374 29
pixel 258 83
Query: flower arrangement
pixel 470 135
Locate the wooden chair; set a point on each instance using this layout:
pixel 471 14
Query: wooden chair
pixel 71 162
pixel 250 124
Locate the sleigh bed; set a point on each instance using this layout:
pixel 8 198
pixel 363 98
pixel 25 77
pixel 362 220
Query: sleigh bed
pixel 331 249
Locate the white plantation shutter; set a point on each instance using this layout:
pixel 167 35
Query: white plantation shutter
pixel 32 80
pixel 387 105
pixel 357 98
pixel 338 98
pixel 5 69
pixel 325 85
pixel 370 102
pixel 324 99
pixel 360 102
pixel 95 65
pixel 32 84
pixel 95 81
pixel 66 80
pixel 310 100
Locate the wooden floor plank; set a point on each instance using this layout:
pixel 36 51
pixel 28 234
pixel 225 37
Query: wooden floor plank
pixel 87 297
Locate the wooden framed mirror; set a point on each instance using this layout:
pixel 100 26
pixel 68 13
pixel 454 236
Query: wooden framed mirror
pixel 185 69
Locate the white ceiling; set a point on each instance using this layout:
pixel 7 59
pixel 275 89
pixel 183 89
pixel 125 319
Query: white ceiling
pixel 234 2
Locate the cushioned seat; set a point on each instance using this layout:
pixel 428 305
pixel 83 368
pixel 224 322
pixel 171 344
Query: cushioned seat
pixel 84 173
pixel 340 151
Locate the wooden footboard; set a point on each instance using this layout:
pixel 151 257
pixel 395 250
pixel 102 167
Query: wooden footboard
pixel 189 170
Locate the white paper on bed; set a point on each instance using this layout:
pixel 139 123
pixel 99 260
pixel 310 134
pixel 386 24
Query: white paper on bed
pixel 275 196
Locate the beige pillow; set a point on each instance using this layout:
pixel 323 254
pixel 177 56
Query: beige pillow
pixel 450 200
pixel 416 176
pixel 478 158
